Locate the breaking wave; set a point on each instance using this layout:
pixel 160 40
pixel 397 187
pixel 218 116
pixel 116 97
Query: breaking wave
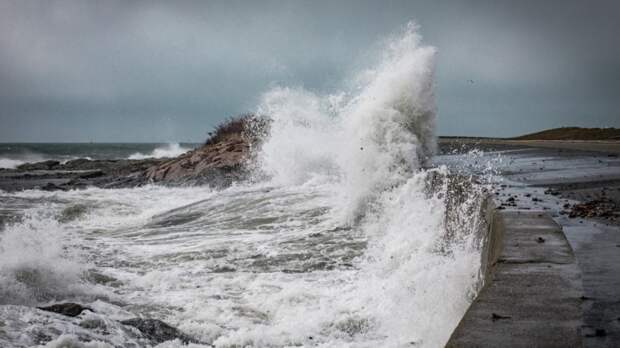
pixel 167 151
pixel 344 238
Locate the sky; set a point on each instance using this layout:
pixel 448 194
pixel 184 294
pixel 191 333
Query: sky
pixel 151 71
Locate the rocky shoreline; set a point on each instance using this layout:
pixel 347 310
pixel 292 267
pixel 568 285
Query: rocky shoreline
pixel 221 161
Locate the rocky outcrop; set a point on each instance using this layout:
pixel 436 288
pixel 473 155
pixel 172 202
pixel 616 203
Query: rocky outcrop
pixel 76 174
pixel 218 164
pixel 221 161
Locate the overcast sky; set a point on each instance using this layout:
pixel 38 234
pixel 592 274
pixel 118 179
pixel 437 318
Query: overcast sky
pixel 168 71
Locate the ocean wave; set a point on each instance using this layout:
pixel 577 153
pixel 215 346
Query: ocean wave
pixel 167 151
pixel 343 245
pixel 10 163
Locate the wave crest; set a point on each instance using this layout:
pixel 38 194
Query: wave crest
pixel 167 151
pixel 367 140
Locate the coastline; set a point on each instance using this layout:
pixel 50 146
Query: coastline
pixel 607 146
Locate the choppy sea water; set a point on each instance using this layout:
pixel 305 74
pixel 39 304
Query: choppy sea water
pixel 344 238
pixel 15 154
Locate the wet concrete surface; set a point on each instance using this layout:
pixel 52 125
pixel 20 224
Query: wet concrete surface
pixel 553 181
pixel 533 297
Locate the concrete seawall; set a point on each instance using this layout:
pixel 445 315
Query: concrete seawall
pixel 532 295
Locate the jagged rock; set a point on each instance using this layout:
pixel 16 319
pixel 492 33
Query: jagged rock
pixel 157 331
pixel 69 309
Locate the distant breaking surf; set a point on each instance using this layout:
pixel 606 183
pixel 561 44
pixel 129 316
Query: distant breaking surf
pixel 169 150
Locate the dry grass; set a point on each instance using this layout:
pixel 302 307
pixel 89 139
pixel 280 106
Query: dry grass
pixel 247 125
pixel 232 125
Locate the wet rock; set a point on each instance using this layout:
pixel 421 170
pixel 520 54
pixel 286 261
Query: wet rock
pixel 50 186
pixel 45 165
pixel 157 331
pixel 69 309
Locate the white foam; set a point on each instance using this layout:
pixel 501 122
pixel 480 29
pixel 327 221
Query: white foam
pixel 367 140
pixel 34 265
pixel 10 163
pixel 167 151
pixel 346 188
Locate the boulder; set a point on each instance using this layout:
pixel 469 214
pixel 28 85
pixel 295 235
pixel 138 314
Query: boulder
pixel 157 331
pixel 69 309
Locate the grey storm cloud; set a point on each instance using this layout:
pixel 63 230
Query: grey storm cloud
pixel 169 71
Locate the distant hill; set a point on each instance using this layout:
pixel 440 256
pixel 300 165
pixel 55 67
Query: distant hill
pixel 574 133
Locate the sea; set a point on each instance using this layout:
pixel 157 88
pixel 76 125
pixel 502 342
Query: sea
pixel 14 154
pixel 346 236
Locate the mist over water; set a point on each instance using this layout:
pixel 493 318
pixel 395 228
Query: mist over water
pixel 341 240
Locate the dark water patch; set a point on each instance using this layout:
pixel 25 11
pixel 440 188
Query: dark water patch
pixel 180 257
pixel 255 315
pixel 174 219
pixel 158 331
pixel 223 269
pixel 97 277
pixel 72 212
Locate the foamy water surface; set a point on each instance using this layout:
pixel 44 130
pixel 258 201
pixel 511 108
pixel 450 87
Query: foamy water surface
pixel 337 242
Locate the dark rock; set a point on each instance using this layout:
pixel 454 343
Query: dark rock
pixel 50 186
pixel 92 174
pixel 69 309
pixel 540 240
pixel 495 316
pixel 157 331
pixel 45 165
pixel 600 332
